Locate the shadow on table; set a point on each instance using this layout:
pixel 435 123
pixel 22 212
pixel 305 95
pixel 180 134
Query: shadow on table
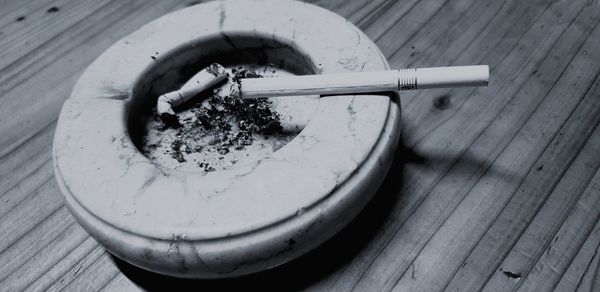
pixel 313 266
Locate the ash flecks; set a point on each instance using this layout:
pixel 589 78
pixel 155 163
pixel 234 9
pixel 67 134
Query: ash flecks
pixel 218 131
pixel 177 153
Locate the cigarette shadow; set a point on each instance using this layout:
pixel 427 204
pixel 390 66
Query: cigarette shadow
pixel 311 267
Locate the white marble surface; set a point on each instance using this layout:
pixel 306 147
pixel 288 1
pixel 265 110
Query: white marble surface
pixel 240 220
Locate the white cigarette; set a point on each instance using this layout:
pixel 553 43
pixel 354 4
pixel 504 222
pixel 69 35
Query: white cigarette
pixel 327 84
pixel 362 82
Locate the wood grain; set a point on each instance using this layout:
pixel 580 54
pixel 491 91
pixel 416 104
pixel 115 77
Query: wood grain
pixel 499 188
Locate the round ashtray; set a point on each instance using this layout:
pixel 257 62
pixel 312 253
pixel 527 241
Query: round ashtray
pixel 275 202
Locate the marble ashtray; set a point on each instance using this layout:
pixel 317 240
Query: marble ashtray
pixel 241 218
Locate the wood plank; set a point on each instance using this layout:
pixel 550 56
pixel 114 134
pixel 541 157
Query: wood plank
pixel 440 35
pixel 440 43
pixel 95 276
pixel 452 141
pixel 395 36
pixel 42 27
pixel 387 15
pixel 36 152
pixel 582 274
pixel 445 251
pixel 17 12
pixel 62 274
pixel 49 70
pixel 497 107
pixel 548 186
pixel 494 50
pixel 20 253
pixel 368 12
pixel 474 44
pixel 28 214
pixel 28 187
pixel 555 260
pixel 534 191
pixel 33 259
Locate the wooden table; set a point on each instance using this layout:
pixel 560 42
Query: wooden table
pixel 493 188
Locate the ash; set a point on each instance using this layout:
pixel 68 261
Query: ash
pixel 219 131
